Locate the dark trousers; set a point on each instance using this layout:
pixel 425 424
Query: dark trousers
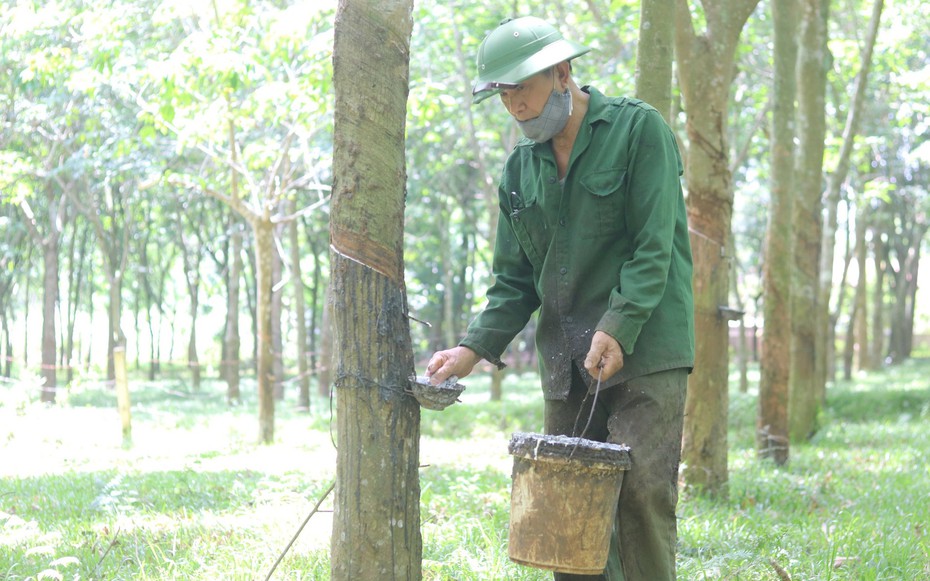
pixel 646 414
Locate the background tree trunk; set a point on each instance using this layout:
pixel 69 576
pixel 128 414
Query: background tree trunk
pixel 807 369
pixel 231 339
pixel 277 312
pixel 877 345
pixel 76 283
pixel 772 428
pixel 654 49
pixel 300 312
pixel 49 246
pixel 861 320
pixel 318 317
pixel 263 231
pixel 376 523
pixel 231 363
pixel 190 258
pixel 705 70
pixel 835 182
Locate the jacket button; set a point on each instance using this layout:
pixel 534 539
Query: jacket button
pixel 563 270
pixel 551 179
pixel 561 221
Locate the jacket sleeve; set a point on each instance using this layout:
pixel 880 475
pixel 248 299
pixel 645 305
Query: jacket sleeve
pixel 512 298
pixel 651 213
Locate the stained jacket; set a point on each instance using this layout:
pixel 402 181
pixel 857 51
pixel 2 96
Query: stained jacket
pixel 606 250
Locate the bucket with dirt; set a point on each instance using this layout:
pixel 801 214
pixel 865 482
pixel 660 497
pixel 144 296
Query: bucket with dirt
pixel 564 501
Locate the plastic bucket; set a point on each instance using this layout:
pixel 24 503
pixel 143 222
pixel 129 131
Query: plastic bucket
pixel 563 501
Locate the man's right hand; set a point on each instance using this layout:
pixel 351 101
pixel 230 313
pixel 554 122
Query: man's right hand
pixel 458 361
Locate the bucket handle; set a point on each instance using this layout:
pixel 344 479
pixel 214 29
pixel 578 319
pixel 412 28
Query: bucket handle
pixel 597 390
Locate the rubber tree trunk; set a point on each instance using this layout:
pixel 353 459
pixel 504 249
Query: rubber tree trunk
pixel 49 300
pixel 654 54
pixel 806 299
pixel 264 255
pixel 231 364
pixel 191 260
pixel 376 522
pixel 706 66
pixel 877 346
pixel 48 243
pixel 231 340
pixel 772 426
pixel 114 310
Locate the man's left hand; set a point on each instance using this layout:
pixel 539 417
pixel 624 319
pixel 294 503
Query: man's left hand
pixel 605 357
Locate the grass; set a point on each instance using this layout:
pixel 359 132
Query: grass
pixel 193 497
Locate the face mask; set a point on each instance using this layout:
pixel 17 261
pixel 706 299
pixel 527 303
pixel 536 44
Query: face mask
pixel 552 120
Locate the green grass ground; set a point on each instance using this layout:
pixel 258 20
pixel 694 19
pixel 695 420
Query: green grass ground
pixel 194 497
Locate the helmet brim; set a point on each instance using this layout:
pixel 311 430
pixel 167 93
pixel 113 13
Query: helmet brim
pixel 491 83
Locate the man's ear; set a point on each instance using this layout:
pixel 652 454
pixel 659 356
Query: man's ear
pixel 563 72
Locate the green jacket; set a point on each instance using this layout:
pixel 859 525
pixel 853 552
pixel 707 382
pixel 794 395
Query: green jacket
pixel 607 250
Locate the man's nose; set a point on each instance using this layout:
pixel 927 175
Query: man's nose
pixel 514 106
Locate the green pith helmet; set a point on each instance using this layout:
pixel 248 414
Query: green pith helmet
pixel 516 50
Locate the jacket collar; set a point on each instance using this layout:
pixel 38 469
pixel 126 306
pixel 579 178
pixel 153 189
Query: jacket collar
pixel 597 111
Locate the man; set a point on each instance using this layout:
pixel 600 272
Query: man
pixel 593 233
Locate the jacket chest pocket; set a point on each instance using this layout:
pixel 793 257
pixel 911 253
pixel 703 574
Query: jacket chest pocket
pixel 605 194
pixel 532 232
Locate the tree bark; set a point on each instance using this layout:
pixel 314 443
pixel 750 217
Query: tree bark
pixel 772 427
pixel 807 369
pixel 376 522
pixel 654 50
pixel 706 64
